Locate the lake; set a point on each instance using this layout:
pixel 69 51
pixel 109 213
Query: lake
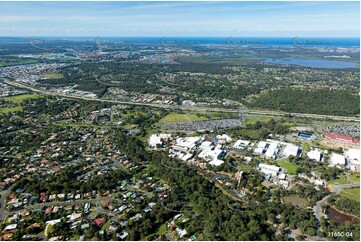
pixel 329 64
pixel 338 217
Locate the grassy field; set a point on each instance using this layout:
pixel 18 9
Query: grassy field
pixel 352 193
pixel 306 147
pixel 300 202
pixel 20 98
pixel 290 167
pixel 53 76
pixel 162 229
pixel 15 63
pixel 346 179
pixel 174 118
pixel 10 110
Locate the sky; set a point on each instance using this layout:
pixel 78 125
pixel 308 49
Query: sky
pixel 181 19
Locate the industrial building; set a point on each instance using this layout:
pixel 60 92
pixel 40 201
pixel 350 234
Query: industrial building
pixel 291 150
pixel 353 157
pixel 241 144
pixel 269 169
pixel 342 138
pixel 272 150
pixel 337 160
pixel 315 155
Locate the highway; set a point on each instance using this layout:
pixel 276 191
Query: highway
pixel 193 108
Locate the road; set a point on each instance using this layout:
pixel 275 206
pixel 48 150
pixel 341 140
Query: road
pixel 338 188
pixel 317 209
pixel 193 108
pixel 4 194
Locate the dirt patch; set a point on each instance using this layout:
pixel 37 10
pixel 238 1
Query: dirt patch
pixel 336 145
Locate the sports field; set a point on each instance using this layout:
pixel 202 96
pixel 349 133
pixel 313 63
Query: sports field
pixel 174 118
pixel 20 98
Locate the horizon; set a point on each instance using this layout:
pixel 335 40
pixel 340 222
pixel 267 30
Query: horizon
pixel 176 19
pixel 97 36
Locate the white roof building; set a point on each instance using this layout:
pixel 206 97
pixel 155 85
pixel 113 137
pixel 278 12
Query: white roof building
pixel 225 137
pixel 216 162
pixel 283 183
pixel 290 150
pixel 318 182
pixel 11 227
pixel 188 142
pixel 269 169
pixel 353 156
pixel 260 147
pixel 337 160
pixel 272 150
pixel 155 140
pixel 241 143
pixel 52 222
pixel 315 155
pixel 212 155
pixel 181 232
pixel 206 145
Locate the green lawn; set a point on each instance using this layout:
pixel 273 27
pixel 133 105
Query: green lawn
pixel 354 177
pixel 306 147
pixel 10 110
pixel 174 118
pixel 290 167
pixel 20 98
pixel 346 179
pixel 53 76
pixel 162 229
pixel 352 194
pixel 106 225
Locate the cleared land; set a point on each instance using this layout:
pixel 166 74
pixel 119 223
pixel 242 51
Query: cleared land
pixel 175 118
pixel 296 200
pixel 20 98
pixel 353 194
pixel 290 167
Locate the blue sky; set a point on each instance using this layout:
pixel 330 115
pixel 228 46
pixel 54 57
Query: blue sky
pixel 143 19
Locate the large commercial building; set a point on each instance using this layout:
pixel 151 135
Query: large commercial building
pixel 291 150
pixel 342 138
pixel 269 169
pixel 337 160
pixel 315 155
pixel 353 157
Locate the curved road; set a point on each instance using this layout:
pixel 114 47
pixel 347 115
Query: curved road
pixel 263 112
pixel 317 209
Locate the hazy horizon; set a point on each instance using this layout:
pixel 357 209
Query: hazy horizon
pixel 180 19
